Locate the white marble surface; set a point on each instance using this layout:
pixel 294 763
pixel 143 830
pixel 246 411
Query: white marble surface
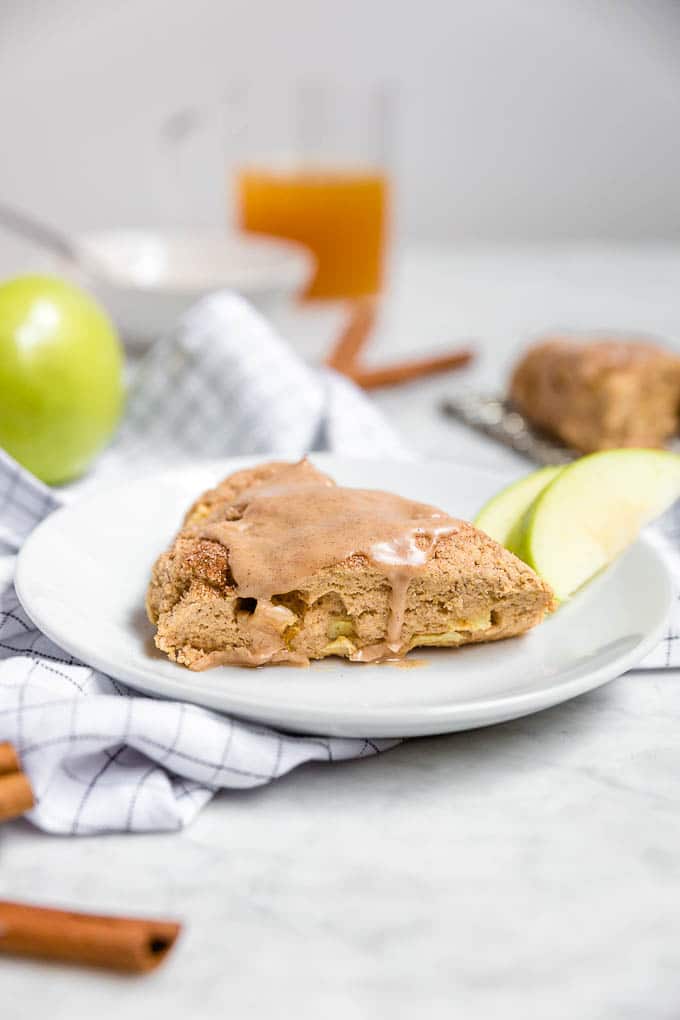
pixel 530 870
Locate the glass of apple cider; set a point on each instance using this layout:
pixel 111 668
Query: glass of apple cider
pixel 312 167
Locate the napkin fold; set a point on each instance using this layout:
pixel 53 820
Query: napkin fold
pixel 225 383
pixel 101 758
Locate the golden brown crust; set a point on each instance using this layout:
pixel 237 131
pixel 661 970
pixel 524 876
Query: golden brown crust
pixel 600 395
pixel 471 590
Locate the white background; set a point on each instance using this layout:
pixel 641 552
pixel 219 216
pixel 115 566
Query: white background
pixel 518 120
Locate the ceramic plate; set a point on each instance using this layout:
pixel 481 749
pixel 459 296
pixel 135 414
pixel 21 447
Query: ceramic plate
pixel 82 574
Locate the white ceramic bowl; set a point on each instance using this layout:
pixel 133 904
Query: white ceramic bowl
pixel 152 277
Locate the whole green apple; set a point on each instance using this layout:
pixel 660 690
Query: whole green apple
pixel 61 376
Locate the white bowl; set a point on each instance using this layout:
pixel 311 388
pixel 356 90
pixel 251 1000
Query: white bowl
pixel 150 278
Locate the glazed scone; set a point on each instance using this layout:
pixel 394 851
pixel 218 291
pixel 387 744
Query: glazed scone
pixel 278 564
pixel 600 395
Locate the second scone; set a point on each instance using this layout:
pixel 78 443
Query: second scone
pixel 601 394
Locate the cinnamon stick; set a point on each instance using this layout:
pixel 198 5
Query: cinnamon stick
pixel 129 945
pixel 345 357
pixel 352 339
pixel 16 795
pixel 407 371
pixel 9 760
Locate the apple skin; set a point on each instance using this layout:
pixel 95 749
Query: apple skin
pixel 502 515
pixel 593 510
pixel 61 376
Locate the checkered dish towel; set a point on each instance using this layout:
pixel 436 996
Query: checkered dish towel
pixel 101 758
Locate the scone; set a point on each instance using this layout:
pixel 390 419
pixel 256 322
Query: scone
pixel 279 564
pixel 600 395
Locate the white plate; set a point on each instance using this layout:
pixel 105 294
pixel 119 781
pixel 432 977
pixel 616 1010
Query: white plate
pixel 82 574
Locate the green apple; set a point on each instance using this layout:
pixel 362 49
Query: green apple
pixel 592 510
pixel 61 376
pixel 501 517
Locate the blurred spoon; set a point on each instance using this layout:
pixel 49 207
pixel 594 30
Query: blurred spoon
pixel 52 240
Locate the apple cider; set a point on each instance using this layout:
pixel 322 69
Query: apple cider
pixel 340 215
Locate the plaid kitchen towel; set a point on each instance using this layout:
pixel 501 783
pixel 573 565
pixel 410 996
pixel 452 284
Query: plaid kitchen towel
pixel 101 758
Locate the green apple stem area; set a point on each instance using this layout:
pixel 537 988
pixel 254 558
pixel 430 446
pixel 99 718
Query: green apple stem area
pixel 61 376
pixel 568 523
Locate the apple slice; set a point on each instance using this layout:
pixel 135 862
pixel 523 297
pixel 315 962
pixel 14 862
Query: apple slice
pixel 592 510
pixel 501 517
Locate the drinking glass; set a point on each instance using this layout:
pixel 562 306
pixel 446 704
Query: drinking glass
pixel 310 163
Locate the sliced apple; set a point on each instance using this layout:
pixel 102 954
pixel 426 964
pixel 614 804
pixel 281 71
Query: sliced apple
pixel 592 510
pixel 501 517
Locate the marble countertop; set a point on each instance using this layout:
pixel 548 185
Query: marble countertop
pixel 529 870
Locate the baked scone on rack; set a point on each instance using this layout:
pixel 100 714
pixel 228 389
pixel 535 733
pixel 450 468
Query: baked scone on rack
pixel 601 394
pixel 278 564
